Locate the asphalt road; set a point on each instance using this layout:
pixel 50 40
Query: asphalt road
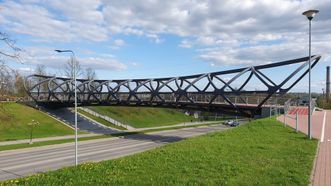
pixel 18 163
pixel 68 117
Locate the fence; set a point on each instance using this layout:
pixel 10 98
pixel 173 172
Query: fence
pixel 109 119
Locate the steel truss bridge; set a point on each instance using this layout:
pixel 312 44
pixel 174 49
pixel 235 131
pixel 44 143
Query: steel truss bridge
pixel 215 91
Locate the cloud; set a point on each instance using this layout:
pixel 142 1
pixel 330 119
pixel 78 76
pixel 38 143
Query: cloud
pixel 134 64
pixel 240 32
pixel 235 28
pixel 80 20
pixel 102 63
pixel 252 55
pixel 185 44
pixel 46 56
pixel 119 42
pixel 155 38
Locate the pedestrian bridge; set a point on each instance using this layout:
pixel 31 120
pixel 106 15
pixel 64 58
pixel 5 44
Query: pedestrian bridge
pixel 243 91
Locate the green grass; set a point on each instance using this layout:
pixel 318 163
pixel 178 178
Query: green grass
pixel 54 142
pixel 263 152
pixel 14 119
pixel 45 143
pixel 140 117
pixel 100 120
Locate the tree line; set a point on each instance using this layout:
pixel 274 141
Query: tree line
pixel 12 80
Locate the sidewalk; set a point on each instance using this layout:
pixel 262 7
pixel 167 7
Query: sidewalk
pixel 321 130
pixel 178 125
pixel 322 172
pixel 317 122
pixel 46 139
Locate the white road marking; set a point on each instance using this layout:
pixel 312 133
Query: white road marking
pixel 323 127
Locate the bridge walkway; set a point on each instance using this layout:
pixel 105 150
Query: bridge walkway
pixel 84 124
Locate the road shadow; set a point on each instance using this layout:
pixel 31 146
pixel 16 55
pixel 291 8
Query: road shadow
pixel 153 137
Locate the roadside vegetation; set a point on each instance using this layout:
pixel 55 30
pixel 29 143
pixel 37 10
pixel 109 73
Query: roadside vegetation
pixel 141 117
pixel 14 119
pixel 263 152
pixel 323 103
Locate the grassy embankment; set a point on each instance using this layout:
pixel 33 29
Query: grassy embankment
pixel 14 119
pixel 100 120
pixel 141 117
pixel 263 152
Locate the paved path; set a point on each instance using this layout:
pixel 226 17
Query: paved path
pixel 321 130
pixel 23 162
pixel 179 125
pixel 68 117
pixel 24 141
pixel 322 172
pixel 317 122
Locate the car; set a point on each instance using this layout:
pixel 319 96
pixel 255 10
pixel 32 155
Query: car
pixel 228 122
pixel 234 124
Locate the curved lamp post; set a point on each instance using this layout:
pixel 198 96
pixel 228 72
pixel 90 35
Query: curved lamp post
pixel 75 80
pixel 310 15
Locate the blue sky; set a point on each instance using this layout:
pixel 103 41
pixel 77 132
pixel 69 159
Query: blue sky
pixel 151 38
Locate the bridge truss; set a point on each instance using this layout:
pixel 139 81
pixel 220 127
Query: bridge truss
pixel 217 91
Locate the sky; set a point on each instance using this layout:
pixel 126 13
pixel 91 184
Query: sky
pixel 156 38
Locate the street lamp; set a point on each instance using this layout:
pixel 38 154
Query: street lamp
pixel 75 90
pixel 310 15
pixel 32 124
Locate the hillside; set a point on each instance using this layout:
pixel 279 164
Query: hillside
pixel 263 152
pixel 14 119
pixel 140 117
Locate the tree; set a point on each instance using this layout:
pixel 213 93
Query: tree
pixel 69 69
pixel 90 74
pixel 10 50
pixel 6 80
pixel 19 85
pixel 40 70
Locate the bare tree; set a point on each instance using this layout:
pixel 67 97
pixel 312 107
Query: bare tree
pixel 19 85
pixel 69 68
pixel 40 70
pixel 90 74
pixel 9 49
pixel 6 80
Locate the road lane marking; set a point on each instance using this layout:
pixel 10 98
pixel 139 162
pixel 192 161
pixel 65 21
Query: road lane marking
pixel 54 160
pixel 323 127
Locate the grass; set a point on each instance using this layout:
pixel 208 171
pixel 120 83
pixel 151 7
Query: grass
pixel 45 143
pixel 323 103
pixel 263 152
pixel 14 119
pixel 54 142
pixel 100 120
pixel 141 117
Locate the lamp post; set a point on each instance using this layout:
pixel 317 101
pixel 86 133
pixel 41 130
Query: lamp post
pixel 32 124
pixel 75 90
pixel 310 15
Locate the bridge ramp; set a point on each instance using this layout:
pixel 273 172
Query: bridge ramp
pixel 68 117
